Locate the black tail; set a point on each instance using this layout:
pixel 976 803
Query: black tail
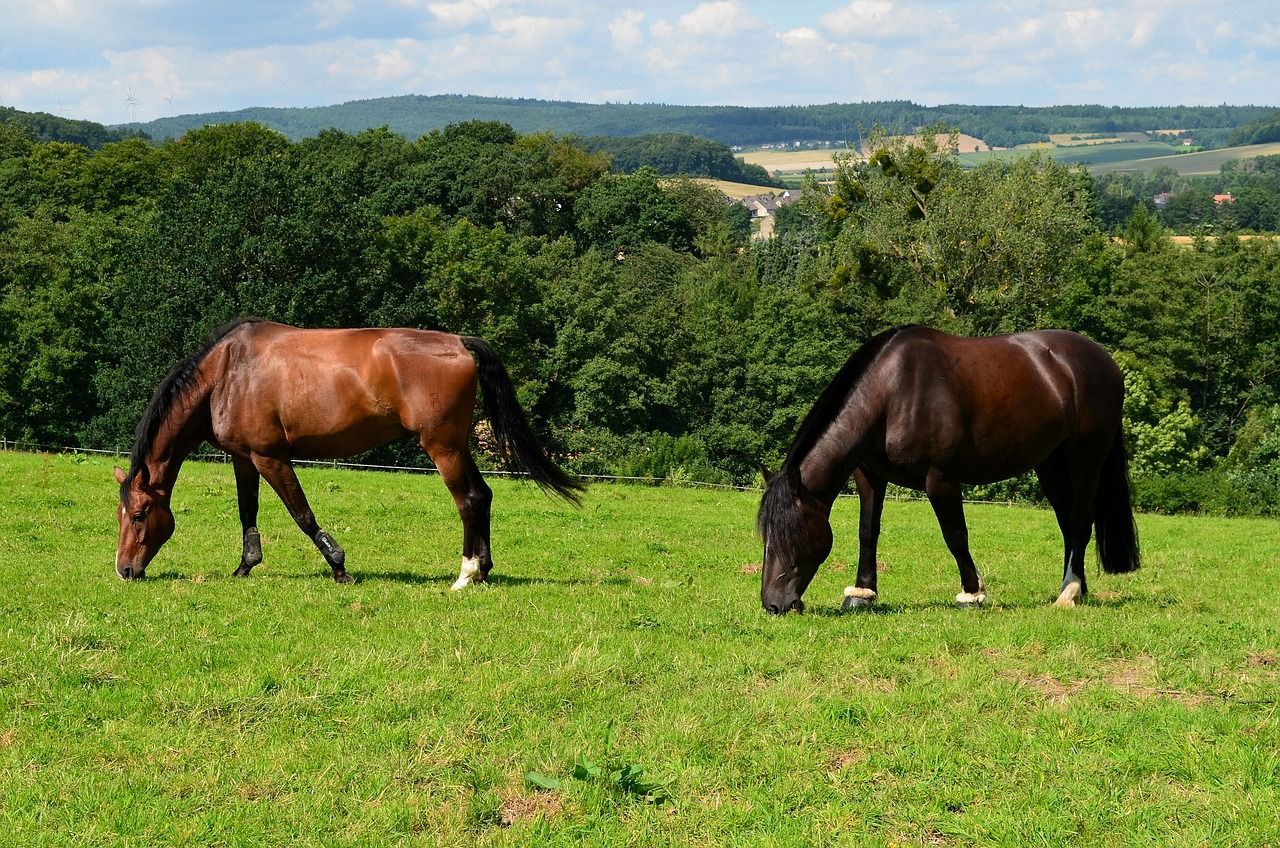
pixel 1117 535
pixel 516 441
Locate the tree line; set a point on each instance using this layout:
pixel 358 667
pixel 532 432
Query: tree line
pixel 999 126
pixel 646 331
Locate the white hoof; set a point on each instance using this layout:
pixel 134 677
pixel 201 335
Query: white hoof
pixel 1069 595
pixel 972 599
pixel 470 567
pixel 859 593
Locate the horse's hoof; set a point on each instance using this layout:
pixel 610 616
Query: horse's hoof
pixel 1069 595
pixel 857 599
pixel 343 577
pixel 241 571
pixel 971 600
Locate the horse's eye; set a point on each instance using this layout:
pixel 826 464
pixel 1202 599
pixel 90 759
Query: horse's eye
pixel 137 517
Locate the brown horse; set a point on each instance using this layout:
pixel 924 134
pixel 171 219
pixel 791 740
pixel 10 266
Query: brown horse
pixel 267 393
pixel 931 411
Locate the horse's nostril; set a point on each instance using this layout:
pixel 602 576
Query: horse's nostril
pixel 126 573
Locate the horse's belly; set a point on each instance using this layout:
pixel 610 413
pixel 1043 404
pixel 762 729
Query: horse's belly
pixel 340 438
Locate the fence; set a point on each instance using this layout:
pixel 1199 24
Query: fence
pixel 895 493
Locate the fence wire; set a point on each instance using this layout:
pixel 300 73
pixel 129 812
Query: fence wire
pixel 219 456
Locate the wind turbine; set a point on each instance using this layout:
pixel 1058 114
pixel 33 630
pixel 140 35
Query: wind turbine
pixel 132 103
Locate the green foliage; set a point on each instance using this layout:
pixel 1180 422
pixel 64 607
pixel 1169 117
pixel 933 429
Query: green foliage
pixel 41 126
pixel 673 154
pixel 1258 132
pixel 1001 126
pixel 646 332
pixel 1253 466
pixel 1161 434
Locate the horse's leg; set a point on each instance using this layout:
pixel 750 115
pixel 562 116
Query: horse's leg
pixel 281 476
pixel 473 498
pixel 1055 480
pixel 1084 501
pixel 862 594
pixel 944 496
pixel 247 478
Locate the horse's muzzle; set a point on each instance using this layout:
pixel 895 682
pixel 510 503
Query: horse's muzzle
pixel 128 572
pixel 776 608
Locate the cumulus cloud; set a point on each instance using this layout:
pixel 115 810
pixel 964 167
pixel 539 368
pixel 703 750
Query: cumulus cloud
pixel 330 13
pixel 463 13
pixel 80 57
pixel 626 31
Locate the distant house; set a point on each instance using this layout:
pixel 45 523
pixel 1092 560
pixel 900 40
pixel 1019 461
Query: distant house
pixel 762 207
pixel 1162 199
pixel 1219 199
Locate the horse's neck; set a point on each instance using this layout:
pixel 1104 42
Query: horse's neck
pixel 182 432
pixel 831 461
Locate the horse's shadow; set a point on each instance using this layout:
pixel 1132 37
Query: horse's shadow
pixel 413 578
pixel 1116 602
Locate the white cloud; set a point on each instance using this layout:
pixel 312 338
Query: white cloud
pixel 330 13
pixel 625 30
pixel 79 57
pixel 801 36
pixel 463 13
pixel 861 19
pixel 721 19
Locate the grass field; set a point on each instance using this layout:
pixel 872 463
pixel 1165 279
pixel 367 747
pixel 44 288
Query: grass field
pixel 197 709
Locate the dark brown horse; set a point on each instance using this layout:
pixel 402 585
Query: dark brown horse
pixel 267 393
pixel 931 411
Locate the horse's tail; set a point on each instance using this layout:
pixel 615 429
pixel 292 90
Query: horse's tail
pixel 515 438
pixel 1117 533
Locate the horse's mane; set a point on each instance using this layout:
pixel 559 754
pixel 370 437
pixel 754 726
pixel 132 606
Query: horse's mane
pixel 777 507
pixel 169 393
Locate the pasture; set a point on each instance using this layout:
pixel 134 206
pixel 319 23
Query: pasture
pixel 620 657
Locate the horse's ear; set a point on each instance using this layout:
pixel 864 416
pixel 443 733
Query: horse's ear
pixel 768 475
pixel 120 475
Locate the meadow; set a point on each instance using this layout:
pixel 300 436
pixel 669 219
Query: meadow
pixel 617 682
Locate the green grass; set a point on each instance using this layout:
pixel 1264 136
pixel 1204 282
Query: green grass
pixel 197 709
pixel 1134 156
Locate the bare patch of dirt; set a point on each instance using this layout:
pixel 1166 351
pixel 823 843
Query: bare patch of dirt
pixel 522 808
pixel 1136 677
pixel 750 568
pixel 839 760
pixel 1054 691
pixel 1263 659
pixel 6 738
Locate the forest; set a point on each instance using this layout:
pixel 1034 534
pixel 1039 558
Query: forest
pixel 647 332
pixel 1000 126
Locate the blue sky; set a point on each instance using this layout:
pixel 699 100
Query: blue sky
pixel 83 58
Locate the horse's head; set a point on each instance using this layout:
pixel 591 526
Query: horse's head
pixel 146 523
pixel 796 530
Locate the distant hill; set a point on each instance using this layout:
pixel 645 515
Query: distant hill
pixel 672 154
pixel 46 127
pixel 999 126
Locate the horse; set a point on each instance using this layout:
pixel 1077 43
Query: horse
pixel 267 393
pixel 932 412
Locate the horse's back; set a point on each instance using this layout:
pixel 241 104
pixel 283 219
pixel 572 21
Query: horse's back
pixel 334 392
pixel 991 407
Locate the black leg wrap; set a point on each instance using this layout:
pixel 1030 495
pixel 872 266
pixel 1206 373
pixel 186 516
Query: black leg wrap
pixel 332 552
pixel 334 555
pixel 252 548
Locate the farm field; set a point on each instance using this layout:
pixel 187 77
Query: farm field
pixel 1191 164
pixel 798 161
pixel 737 191
pixel 197 709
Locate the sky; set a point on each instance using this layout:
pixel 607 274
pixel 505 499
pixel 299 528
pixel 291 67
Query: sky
pixel 113 61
